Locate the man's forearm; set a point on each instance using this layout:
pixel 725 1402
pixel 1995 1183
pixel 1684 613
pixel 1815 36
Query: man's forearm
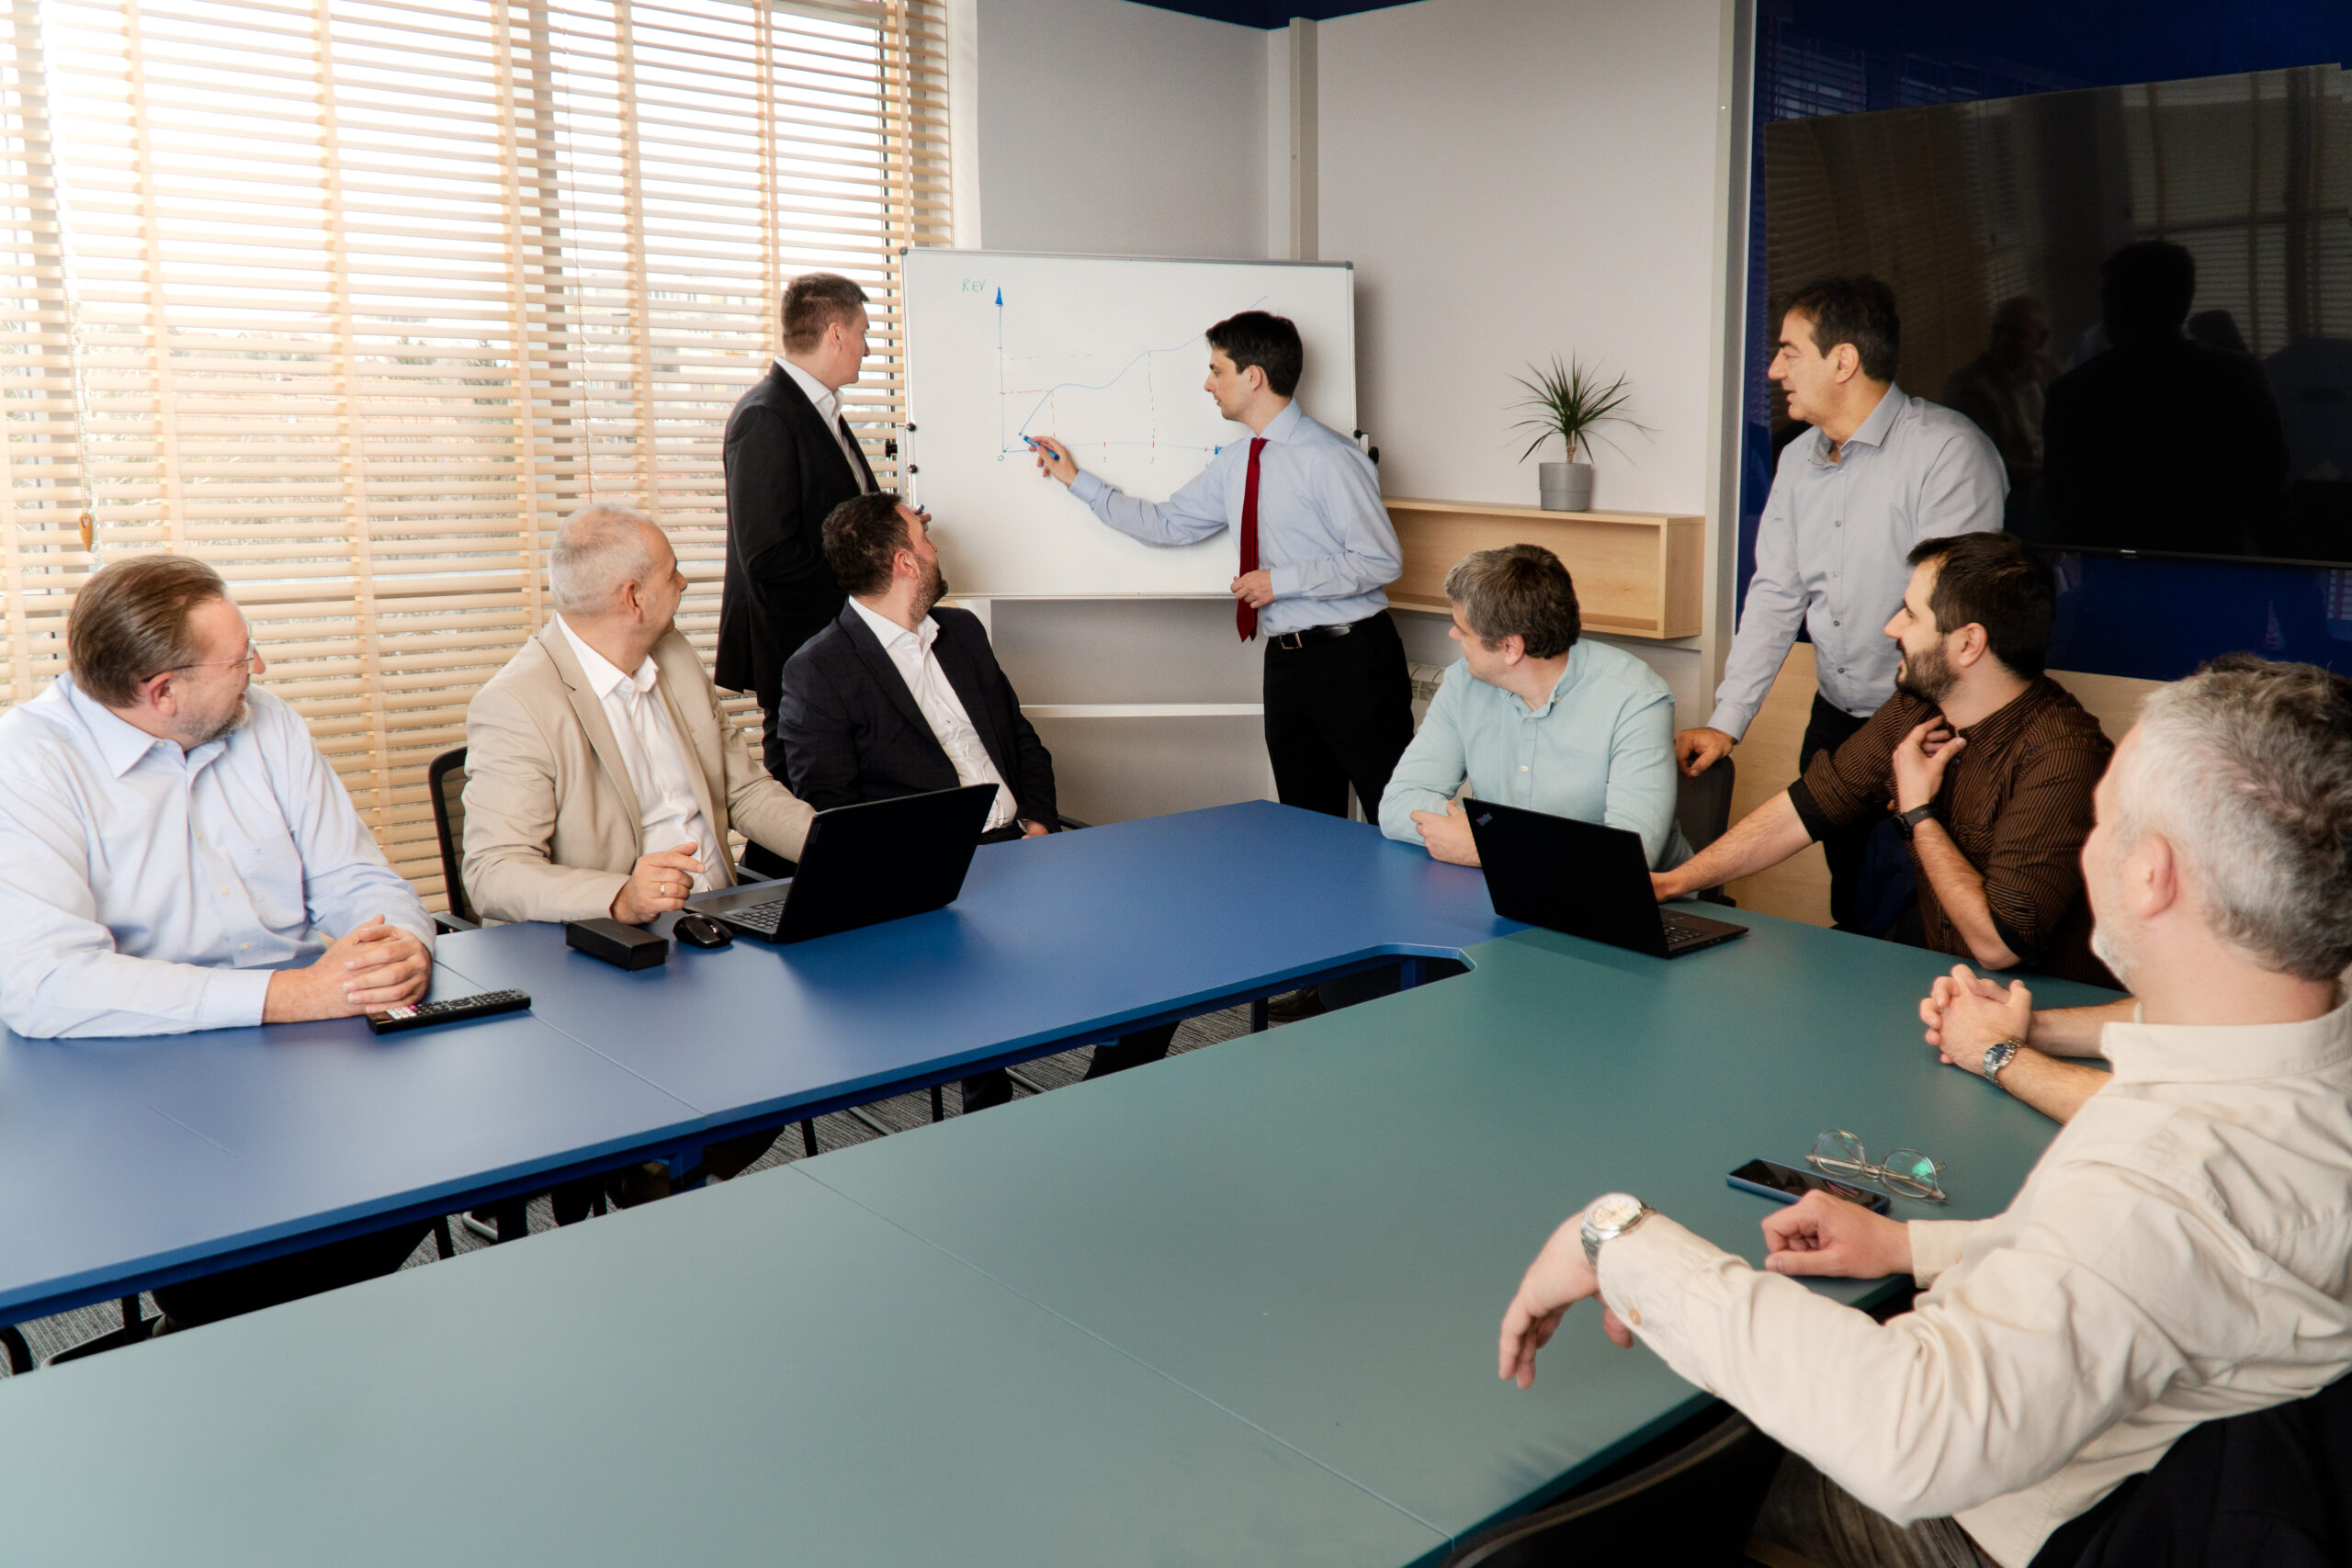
pixel 2055 1088
pixel 1763 838
pixel 2074 1031
pixel 1961 892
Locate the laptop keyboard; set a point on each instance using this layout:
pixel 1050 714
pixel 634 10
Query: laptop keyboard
pixel 1680 935
pixel 762 918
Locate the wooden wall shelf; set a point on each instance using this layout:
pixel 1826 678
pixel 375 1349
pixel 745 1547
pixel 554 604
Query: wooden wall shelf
pixel 1637 573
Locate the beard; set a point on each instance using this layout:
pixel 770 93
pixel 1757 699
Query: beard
pixel 935 591
pixel 1928 677
pixel 204 733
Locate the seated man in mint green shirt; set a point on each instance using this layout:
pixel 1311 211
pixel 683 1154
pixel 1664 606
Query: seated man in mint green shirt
pixel 1536 718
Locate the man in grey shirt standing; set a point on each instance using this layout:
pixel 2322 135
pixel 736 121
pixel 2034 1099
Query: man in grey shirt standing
pixel 1879 471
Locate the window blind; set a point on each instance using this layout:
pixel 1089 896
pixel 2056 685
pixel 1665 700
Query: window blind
pixel 357 298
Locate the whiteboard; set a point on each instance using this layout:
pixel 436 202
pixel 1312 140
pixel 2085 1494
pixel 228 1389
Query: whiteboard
pixel 1107 354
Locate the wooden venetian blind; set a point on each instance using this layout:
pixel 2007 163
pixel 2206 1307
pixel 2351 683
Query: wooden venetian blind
pixel 357 298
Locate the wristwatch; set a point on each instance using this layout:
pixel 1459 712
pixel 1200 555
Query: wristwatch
pixel 1916 815
pixel 1609 1217
pixel 1998 1055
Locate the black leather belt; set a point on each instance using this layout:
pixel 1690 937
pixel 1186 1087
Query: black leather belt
pixel 1315 634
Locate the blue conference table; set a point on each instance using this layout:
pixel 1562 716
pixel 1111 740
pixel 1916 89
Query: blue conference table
pixel 1054 943
pixel 1237 1307
pixel 126 1163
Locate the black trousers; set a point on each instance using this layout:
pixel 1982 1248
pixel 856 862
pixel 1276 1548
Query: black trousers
pixel 1339 712
pixel 1829 728
pixel 995 1087
pixel 287 1278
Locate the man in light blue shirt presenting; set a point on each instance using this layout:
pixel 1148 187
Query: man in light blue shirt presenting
pixel 1315 550
pixel 1879 471
pixel 176 855
pixel 1535 716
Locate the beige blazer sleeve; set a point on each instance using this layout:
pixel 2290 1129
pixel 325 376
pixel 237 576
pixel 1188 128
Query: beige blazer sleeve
pixel 513 796
pixel 766 811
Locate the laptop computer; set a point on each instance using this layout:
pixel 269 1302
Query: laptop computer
pixel 864 865
pixel 1582 878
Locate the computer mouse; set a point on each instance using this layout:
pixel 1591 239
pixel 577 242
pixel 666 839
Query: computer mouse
pixel 701 930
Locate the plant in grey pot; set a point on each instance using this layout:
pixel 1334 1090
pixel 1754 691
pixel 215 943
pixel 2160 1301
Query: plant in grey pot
pixel 1569 401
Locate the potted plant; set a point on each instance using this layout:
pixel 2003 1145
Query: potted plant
pixel 1570 402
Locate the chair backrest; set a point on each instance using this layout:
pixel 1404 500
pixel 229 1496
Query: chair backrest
pixel 446 781
pixel 1703 805
pixel 1695 1505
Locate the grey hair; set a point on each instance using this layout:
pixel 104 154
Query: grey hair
pixel 597 549
pixel 2246 768
pixel 1520 590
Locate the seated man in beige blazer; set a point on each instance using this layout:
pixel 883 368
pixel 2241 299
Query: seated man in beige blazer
pixel 601 778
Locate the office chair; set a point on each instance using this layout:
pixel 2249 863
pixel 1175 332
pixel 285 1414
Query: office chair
pixel 1702 810
pixel 444 781
pixel 1695 1505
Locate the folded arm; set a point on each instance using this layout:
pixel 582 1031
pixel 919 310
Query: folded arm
pixel 1434 766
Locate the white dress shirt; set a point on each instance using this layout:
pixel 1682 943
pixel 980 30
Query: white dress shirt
pixel 1323 537
pixel 149 890
pixel 1831 549
pixel 2182 1252
pixel 669 814
pixel 828 409
pixel 918 666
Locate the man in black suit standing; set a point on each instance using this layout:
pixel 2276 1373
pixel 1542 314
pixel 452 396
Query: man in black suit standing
pixel 790 459
pixel 900 696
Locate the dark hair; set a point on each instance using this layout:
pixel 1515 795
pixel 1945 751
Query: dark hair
pixel 1997 581
pixel 1859 310
pixel 863 536
pixel 131 622
pixel 814 301
pixel 1271 342
pixel 1520 590
pixel 2145 289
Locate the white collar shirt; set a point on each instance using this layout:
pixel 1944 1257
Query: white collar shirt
pixel 2182 1252
pixel 828 403
pixel 911 653
pixel 669 813
pixel 151 890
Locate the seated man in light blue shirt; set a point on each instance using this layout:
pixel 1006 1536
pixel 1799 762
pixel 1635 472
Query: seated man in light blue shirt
pixel 1535 716
pixel 175 854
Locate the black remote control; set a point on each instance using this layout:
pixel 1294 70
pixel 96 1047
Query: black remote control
pixel 393 1020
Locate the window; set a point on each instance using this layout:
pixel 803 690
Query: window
pixel 357 298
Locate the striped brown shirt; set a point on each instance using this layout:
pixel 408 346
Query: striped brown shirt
pixel 2017 801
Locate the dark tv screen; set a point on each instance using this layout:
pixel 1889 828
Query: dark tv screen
pixel 2143 294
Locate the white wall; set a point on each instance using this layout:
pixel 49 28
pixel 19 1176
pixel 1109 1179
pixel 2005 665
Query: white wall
pixel 1515 179
pixel 1113 129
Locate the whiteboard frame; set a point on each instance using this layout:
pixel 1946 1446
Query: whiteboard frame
pixel 909 437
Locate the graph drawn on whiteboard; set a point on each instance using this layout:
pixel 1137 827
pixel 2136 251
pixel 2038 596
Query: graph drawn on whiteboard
pixel 1107 356
pixel 1142 404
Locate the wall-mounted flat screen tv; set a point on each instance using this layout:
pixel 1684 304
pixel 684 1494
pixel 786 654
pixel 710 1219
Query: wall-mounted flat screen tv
pixel 2143 294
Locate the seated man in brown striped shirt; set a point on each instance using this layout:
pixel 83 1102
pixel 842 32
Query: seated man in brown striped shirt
pixel 1987 762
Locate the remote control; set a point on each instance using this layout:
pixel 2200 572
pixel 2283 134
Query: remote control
pixel 393 1020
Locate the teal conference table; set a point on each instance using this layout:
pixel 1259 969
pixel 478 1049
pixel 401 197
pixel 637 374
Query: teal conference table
pixel 1237 1307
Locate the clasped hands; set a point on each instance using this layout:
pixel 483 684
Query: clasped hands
pixel 1818 1235
pixel 366 969
pixel 1966 1015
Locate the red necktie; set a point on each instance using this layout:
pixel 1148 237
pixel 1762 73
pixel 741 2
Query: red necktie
pixel 1245 617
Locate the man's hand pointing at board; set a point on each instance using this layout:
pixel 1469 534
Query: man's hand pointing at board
pixel 1052 457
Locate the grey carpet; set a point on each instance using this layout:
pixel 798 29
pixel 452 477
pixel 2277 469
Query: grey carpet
pixel 48 1336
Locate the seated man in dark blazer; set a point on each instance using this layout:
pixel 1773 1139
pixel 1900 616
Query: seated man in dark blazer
pixel 900 696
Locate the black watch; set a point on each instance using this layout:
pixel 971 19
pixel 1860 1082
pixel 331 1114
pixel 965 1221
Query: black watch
pixel 1910 820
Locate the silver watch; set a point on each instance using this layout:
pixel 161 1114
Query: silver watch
pixel 1998 1054
pixel 1609 1217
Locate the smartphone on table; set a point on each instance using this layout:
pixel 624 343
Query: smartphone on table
pixel 1785 1184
